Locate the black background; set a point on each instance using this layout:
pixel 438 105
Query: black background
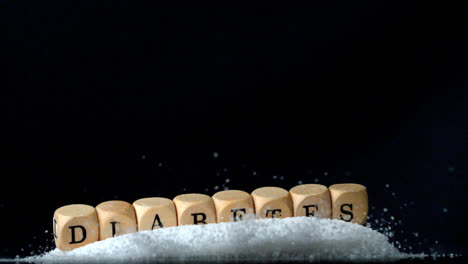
pixel 120 100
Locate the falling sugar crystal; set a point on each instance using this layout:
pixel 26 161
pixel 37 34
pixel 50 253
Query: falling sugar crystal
pixel 289 239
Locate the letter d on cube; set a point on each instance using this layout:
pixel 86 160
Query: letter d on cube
pixel 74 226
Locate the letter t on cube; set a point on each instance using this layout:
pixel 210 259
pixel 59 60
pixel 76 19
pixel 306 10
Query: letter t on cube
pixel 272 202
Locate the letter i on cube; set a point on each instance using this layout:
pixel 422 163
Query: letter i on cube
pixel 115 218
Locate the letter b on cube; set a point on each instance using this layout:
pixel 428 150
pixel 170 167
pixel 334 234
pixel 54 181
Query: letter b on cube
pixel 74 226
pixel 195 209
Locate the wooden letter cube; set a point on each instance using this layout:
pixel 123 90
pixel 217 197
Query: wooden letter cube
pixel 349 202
pixel 232 205
pixel 195 209
pixel 115 218
pixel 311 200
pixel 272 202
pixel 74 226
pixel 154 213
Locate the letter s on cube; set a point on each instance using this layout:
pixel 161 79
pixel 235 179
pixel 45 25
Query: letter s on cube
pixel 74 226
pixel 349 202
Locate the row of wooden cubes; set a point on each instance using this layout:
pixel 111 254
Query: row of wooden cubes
pixel 77 225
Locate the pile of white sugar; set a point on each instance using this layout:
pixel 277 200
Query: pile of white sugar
pixel 289 239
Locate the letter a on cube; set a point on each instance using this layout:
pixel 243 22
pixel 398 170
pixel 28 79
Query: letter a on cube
pixel 154 213
pixel 349 202
pixel 195 209
pixel 74 226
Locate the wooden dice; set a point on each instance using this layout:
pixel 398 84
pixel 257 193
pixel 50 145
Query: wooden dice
pixel 349 202
pixel 195 209
pixel 78 225
pixel 153 213
pixel 232 205
pixel 74 226
pixel 272 202
pixel 311 200
pixel 115 218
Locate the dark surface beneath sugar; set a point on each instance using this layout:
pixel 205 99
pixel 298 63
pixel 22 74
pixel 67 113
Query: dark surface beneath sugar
pixel 454 260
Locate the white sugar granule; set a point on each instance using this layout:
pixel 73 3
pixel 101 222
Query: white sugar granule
pixel 289 239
